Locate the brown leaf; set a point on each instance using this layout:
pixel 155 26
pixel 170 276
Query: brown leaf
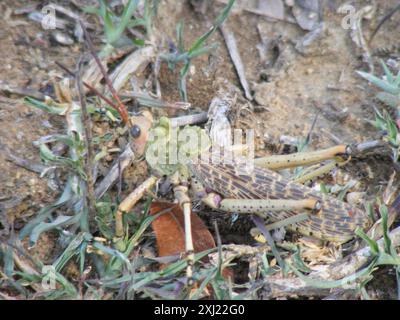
pixel 170 231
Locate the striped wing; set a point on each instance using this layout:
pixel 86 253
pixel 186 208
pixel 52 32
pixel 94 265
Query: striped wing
pixel 336 222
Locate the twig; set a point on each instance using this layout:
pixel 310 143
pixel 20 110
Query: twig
pixel 121 108
pixel 21 91
pixel 368 146
pixel 236 59
pixel 148 101
pixel 189 119
pixel 124 160
pixel 119 179
pixel 332 136
pixel 135 63
pixel 31 166
pixel 385 18
pixel 87 125
pixel 94 90
pixel 308 138
pixel 276 286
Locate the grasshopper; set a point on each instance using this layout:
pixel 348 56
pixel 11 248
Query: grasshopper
pixel 262 191
pixel 265 192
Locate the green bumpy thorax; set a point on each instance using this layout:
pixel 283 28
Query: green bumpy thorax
pixel 170 148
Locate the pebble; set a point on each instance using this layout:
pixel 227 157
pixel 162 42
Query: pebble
pixel 192 70
pixel 62 38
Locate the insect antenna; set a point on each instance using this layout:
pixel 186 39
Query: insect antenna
pixel 120 107
pixel 91 88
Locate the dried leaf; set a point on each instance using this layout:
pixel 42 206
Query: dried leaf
pixel 170 231
pixel 170 234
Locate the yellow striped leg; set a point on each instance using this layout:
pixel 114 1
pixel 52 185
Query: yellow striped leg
pixel 260 207
pixel 278 162
pixel 127 204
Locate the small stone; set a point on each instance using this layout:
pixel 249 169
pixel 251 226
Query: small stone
pixel 192 70
pixel 62 38
pixel 312 15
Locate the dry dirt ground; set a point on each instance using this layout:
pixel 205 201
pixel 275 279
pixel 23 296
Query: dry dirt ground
pixel 290 89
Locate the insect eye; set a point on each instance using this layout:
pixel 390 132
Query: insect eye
pixel 135 131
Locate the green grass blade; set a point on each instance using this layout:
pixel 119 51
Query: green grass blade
pixel 220 19
pixel 204 284
pixel 388 73
pixel 126 18
pixel 72 249
pixel 45 213
pixel 182 83
pixel 56 109
pixel 389 99
pixel 382 84
pixel 179 36
pixel 387 242
pixel 60 221
pixel 203 50
pixel 372 243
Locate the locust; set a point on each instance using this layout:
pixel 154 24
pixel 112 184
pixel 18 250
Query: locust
pixel 225 186
pixel 265 192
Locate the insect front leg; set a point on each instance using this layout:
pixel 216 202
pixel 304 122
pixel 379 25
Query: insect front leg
pixel 127 204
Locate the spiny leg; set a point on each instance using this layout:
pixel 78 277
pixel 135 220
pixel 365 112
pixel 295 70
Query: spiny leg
pixel 277 162
pixel 312 174
pixel 257 206
pixel 260 206
pixel 306 207
pixel 340 155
